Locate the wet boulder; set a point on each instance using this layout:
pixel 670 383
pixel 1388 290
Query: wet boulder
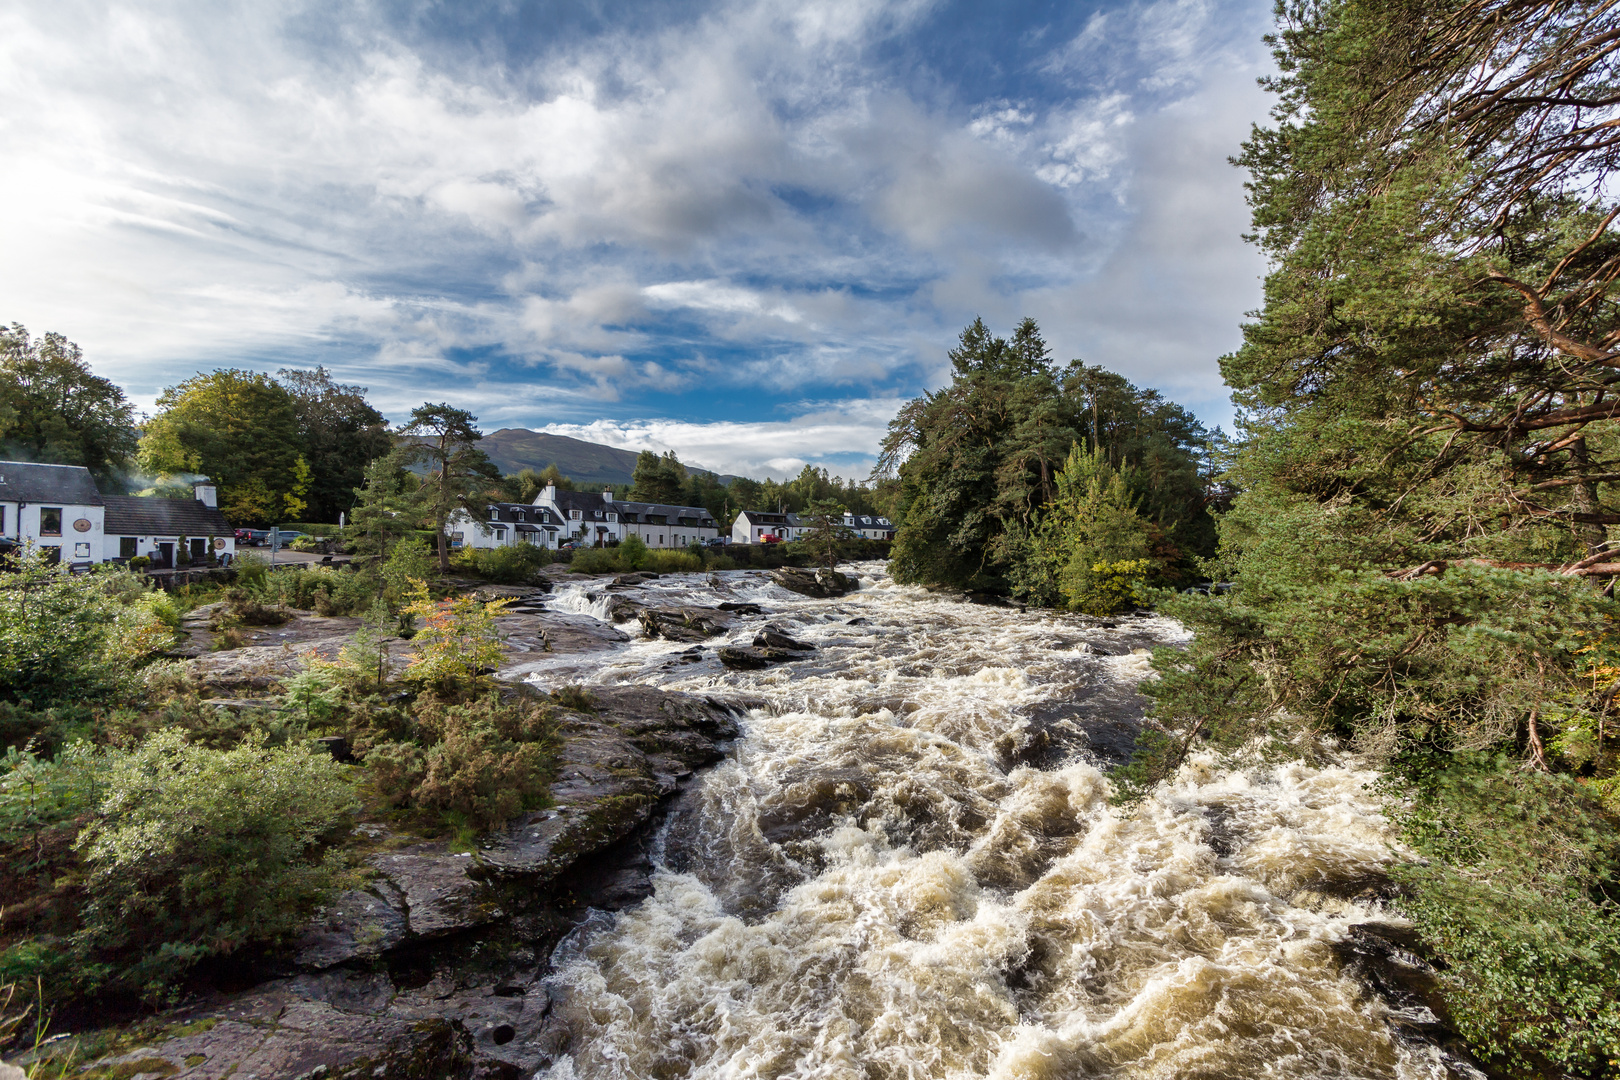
pixel 752 658
pixel 683 624
pixel 821 584
pixel 772 638
pixel 627 581
pixel 739 607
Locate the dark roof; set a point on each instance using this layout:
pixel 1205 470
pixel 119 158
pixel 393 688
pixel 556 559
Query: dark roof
pixel 762 517
pixel 25 481
pixel 647 512
pixel 591 503
pixel 508 512
pixel 150 515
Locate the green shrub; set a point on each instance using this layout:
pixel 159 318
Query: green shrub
pixel 476 763
pixel 140 562
pixel 37 791
pixel 199 852
pixel 1511 896
pixel 673 562
pixel 67 638
pixel 492 759
pixel 596 561
pixel 633 552
pixel 251 570
pixel 721 562
pixel 511 565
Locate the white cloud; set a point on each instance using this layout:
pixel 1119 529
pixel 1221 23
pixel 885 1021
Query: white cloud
pixel 194 185
pixel 842 436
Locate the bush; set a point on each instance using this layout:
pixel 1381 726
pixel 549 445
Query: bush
pixel 67 638
pixel 674 562
pixel 484 761
pixel 457 643
pixel 596 561
pixel 493 760
pixel 201 852
pixel 1510 895
pixel 511 565
pixel 140 562
pixel 633 552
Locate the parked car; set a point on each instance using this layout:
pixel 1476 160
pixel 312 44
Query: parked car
pixel 253 537
pixel 285 536
pixel 770 538
pixel 717 541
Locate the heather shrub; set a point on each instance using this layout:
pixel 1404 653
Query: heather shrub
pixel 673 562
pixel 633 552
pixel 596 561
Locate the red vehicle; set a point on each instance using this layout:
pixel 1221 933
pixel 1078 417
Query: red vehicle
pixel 770 538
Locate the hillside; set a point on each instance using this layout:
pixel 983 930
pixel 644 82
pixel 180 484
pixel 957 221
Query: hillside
pixel 586 463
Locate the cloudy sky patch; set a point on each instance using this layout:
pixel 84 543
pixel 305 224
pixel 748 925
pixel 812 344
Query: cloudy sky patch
pixel 673 222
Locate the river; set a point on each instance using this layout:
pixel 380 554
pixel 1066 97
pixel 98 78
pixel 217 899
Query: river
pixel 909 867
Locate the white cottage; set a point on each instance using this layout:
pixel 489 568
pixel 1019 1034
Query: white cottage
pixel 58 509
pixel 506 524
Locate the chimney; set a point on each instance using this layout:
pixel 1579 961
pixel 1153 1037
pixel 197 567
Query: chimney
pixel 549 495
pixel 607 496
pixel 205 491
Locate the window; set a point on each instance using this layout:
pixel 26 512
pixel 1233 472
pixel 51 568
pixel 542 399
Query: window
pixel 126 547
pixel 50 554
pixel 50 521
pixel 613 517
pixel 574 515
pixel 494 514
pixel 520 516
pixel 2 521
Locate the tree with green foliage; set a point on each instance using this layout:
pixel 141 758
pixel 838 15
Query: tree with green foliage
pixel 1429 470
pixel 339 433
pixel 978 460
pixel 54 410
pixel 658 479
pixel 237 427
pixel 826 520
pixel 1088 547
pixel 390 504
pixel 460 476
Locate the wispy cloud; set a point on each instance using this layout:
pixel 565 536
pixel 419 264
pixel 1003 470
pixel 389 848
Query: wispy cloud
pixel 748 203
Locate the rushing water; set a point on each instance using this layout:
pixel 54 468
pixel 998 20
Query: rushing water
pixel 872 886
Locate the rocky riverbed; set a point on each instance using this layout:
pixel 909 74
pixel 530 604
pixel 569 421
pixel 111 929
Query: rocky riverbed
pixel 807 833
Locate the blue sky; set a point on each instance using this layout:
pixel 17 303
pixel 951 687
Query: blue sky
pixel 744 231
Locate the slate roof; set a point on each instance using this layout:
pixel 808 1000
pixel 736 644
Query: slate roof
pixel 591 504
pixel 26 481
pixel 760 517
pixel 649 513
pixel 532 516
pixel 150 515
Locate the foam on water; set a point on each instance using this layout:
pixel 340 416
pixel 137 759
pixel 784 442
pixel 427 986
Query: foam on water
pixel 872 889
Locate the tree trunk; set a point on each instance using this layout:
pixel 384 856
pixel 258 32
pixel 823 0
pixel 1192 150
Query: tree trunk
pixel 1590 534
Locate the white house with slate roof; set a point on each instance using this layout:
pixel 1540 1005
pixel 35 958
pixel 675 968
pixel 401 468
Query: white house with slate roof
pixel 752 526
pixel 587 519
pixel 664 525
pixel 507 524
pixel 59 509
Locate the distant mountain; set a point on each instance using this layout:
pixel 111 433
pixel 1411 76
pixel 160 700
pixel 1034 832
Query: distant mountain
pixel 587 464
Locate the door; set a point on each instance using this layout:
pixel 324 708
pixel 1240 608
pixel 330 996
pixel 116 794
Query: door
pixel 165 559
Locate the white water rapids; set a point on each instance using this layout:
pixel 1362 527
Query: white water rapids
pixel 871 886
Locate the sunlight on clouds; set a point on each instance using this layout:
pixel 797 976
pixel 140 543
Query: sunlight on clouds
pixel 194 185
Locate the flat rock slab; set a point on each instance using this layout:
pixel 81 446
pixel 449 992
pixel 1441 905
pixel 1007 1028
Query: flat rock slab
pixel 280 1037
pixel 360 923
pixel 439 895
pixel 684 623
pixel 751 658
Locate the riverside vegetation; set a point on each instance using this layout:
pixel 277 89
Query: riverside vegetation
pixel 147 831
pixel 1420 497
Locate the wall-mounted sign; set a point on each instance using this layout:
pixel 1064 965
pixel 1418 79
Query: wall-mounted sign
pixel 83 525
pixel 219 543
pixel 81 551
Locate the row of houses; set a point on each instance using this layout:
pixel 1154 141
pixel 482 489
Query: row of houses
pixel 589 519
pixel 754 526
pixel 585 518
pixel 59 509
